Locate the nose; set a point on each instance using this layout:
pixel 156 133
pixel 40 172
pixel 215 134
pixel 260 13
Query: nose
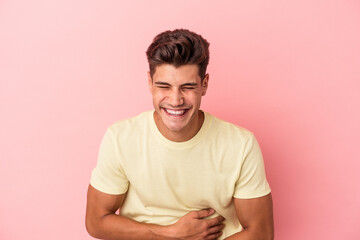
pixel 176 98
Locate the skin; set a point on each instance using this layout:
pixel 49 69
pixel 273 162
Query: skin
pixel 256 217
pixel 180 90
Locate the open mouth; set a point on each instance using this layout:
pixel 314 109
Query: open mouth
pixel 175 113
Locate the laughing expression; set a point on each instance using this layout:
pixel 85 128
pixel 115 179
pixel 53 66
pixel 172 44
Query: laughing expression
pixel 177 94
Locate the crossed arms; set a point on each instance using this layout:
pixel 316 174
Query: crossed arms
pixel 255 215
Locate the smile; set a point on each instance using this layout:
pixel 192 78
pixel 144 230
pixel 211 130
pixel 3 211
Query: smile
pixel 175 113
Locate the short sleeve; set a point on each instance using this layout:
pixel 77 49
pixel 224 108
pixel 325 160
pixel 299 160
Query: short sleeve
pixel 252 181
pixel 108 176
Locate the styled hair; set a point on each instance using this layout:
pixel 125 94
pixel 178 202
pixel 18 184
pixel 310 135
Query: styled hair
pixel 178 47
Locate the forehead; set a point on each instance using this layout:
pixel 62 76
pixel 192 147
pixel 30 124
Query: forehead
pixel 170 73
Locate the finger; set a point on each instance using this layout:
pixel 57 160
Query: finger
pixel 216 229
pixel 215 221
pixel 213 236
pixel 204 213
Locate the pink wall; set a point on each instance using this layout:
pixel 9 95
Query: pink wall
pixel 287 70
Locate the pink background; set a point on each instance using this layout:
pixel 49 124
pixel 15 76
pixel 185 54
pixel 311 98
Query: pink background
pixel 287 70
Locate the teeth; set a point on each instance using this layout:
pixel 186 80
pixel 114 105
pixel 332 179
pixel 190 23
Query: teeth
pixel 174 112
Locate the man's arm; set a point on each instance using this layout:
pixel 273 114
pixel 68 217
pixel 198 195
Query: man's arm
pixel 256 217
pixel 102 222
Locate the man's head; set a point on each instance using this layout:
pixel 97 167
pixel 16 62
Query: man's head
pixel 178 47
pixel 177 81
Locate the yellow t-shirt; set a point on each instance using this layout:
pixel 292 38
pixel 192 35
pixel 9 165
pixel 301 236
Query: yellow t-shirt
pixel 165 180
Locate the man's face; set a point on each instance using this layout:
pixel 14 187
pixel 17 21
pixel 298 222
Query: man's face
pixel 177 96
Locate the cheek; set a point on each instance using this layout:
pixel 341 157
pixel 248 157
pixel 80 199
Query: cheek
pixel 194 97
pixel 158 97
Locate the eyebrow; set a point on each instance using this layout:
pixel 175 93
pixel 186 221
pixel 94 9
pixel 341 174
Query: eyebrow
pixel 168 84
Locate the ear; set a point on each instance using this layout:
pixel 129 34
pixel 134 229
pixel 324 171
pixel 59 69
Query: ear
pixel 204 84
pixel 150 82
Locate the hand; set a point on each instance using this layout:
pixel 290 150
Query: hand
pixel 194 226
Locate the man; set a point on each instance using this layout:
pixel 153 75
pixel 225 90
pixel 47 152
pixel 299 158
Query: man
pixel 177 172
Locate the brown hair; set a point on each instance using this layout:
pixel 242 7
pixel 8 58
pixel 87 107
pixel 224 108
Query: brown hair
pixel 178 47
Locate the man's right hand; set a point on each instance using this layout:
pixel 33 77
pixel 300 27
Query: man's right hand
pixel 195 225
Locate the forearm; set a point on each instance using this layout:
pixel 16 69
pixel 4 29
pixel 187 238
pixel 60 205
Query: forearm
pixel 113 227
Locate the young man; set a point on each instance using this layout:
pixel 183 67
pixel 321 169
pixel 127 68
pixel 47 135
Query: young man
pixel 177 172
